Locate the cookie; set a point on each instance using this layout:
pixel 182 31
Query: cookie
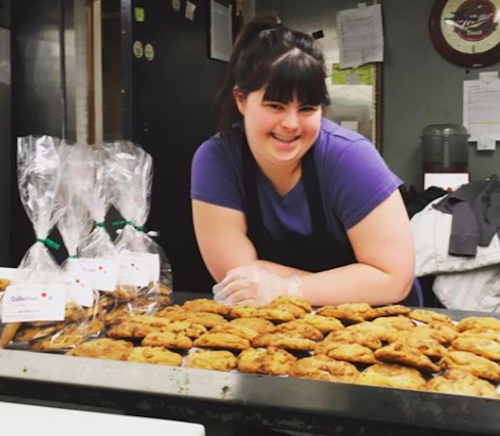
pixel 205 305
pixel 272 361
pixel 456 381
pixel 156 355
pixel 324 368
pixel 392 376
pixel 103 349
pixel 222 340
pixel 167 340
pixel 283 340
pixel 214 360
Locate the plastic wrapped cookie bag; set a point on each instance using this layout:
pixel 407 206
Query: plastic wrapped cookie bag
pixel 74 225
pixel 34 304
pixel 140 268
pixel 97 253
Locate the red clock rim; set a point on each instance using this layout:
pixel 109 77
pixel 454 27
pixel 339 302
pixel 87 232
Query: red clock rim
pixel 448 52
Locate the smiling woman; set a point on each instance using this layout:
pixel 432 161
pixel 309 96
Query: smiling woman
pixel 279 135
pixel 286 202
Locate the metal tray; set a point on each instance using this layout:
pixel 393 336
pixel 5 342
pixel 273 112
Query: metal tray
pixel 299 403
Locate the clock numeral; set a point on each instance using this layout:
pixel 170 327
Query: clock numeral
pixel 473 49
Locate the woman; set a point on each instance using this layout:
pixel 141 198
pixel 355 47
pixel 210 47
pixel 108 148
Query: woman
pixel 287 203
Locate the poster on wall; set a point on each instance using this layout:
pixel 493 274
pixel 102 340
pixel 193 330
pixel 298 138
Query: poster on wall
pixel 221 31
pixel 360 36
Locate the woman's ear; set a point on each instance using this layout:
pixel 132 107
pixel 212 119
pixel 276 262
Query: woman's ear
pixel 240 99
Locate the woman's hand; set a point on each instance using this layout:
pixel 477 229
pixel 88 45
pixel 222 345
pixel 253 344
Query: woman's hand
pixel 255 285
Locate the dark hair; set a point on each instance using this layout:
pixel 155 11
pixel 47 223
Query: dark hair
pixel 268 55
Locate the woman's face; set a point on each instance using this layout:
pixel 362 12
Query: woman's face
pixel 278 133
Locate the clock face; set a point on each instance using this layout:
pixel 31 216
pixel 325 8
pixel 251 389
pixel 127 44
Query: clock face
pixel 467 32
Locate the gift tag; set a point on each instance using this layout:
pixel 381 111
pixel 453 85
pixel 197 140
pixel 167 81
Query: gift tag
pixel 78 287
pixel 138 269
pixel 154 266
pixel 34 302
pixel 103 273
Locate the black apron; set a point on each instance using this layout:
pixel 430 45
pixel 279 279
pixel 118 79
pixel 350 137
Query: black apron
pixel 319 251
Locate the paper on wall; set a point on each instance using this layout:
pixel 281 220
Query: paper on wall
pixel 221 36
pixel 481 110
pixel 360 36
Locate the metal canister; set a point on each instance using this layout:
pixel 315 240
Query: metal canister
pixel 445 148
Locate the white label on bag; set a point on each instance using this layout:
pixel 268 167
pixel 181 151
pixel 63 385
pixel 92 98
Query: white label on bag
pixel 103 273
pixel 154 266
pixel 78 288
pixel 78 284
pixel 34 302
pixel 138 269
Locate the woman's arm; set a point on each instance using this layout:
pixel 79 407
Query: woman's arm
pixel 382 243
pixel 221 236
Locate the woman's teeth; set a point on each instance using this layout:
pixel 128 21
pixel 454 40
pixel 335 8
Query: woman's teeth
pixel 281 139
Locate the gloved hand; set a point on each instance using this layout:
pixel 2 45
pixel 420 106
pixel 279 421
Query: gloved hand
pixel 255 285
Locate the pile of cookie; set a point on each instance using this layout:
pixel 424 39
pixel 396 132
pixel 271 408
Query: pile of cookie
pixel 81 323
pixel 391 346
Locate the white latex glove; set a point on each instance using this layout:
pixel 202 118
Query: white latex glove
pixel 255 285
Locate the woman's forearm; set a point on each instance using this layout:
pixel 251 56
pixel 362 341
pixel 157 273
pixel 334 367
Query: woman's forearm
pixel 348 284
pixel 283 271
pixel 355 283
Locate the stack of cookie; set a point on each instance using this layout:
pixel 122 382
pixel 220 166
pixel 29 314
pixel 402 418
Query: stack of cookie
pixel 390 346
pixel 79 325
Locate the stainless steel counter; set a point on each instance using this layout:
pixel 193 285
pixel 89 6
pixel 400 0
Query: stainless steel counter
pixel 200 396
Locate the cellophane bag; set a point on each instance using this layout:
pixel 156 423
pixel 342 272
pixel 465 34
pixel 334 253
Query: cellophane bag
pixel 97 253
pixel 74 225
pixel 39 175
pixel 142 267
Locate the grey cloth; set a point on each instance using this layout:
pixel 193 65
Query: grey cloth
pixel 476 215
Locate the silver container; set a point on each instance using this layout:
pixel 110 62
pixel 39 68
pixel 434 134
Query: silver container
pixel 445 147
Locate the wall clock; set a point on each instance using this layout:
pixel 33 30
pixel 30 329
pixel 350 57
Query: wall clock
pixel 467 32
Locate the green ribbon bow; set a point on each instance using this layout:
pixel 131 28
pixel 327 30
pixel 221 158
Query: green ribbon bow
pixel 49 243
pixel 128 223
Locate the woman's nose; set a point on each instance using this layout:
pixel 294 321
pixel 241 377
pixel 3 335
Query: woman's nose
pixel 290 119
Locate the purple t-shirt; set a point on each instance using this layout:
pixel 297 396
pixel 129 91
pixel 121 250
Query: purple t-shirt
pixel 353 180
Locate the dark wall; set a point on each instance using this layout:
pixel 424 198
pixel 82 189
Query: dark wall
pixel 36 95
pixel 170 111
pixel 5 13
pixel 5 133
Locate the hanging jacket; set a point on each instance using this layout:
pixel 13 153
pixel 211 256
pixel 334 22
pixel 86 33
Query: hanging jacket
pixel 475 208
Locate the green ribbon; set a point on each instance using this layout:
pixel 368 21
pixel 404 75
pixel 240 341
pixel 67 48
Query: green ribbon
pixel 122 223
pixel 74 256
pixel 49 243
pixel 101 224
pixel 128 223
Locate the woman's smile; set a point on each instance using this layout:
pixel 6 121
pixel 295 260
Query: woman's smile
pixel 284 139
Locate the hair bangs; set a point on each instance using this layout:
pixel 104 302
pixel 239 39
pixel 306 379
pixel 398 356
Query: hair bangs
pixel 297 74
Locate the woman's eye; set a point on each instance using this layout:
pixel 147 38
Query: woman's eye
pixel 307 108
pixel 274 106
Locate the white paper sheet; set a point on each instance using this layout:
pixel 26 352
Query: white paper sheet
pixel 190 8
pixel 481 110
pixel 221 36
pixel 448 181
pixel 360 36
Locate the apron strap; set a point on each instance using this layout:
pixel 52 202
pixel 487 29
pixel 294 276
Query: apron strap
pixel 253 210
pixel 313 193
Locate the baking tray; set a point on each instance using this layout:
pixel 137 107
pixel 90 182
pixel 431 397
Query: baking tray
pixel 291 396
